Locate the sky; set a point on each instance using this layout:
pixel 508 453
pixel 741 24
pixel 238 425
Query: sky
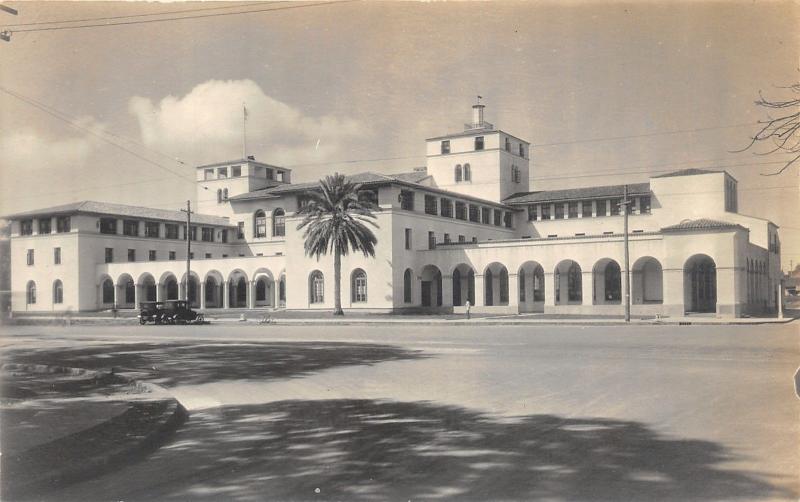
pixel 606 92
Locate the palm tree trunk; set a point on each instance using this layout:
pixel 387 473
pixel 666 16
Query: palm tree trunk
pixel 337 282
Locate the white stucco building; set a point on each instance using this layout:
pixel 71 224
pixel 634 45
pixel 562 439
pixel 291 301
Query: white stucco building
pixel 465 227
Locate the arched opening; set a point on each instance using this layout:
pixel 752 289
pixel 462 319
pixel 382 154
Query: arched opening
pixel 193 290
pixel 213 293
pixel 316 287
pixel 407 276
pixel 107 291
pixel 607 282
pixel 568 283
pixel 171 288
pixel 30 293
pixel 264 291
pixel 127 292
pixel 431 286
pixel 282 291
pixel 260 224
pixel 148 287
pixel 495 283
pixel 700 284
pixel 237 289
pixel 467 173
pixel 647 282
pixel 531 287
pixel 358 286
pixel 463 285
pixel 279 223
pixel 58 292
pixel 458 175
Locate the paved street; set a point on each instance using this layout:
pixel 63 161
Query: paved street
pixel 417 413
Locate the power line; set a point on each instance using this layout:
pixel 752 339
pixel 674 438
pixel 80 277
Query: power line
pixel 94 133
pixel 136 15
pixel 644 135
pixel 161 20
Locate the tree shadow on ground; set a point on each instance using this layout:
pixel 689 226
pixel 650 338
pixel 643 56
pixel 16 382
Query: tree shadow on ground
pixel 376 450
pixel 172 364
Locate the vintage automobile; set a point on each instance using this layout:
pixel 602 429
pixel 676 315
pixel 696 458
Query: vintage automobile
pixel 168 312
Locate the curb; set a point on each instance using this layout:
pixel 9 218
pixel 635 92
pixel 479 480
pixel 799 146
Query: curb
pixel 133 434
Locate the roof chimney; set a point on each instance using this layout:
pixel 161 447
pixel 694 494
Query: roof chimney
pixel 251 157
pixel 477 116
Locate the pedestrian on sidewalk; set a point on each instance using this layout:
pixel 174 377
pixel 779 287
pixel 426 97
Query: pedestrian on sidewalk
pixel 467 305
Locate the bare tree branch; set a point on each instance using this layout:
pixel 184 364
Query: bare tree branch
pixel 783 132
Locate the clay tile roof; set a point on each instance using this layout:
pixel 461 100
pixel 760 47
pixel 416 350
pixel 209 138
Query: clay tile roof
pixel 578 193
pixel 107 208
pixel 700 224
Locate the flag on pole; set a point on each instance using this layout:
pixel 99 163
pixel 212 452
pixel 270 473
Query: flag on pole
pixel 244 109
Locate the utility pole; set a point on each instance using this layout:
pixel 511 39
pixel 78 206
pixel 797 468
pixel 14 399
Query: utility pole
pixel 625 204
pixel 188 212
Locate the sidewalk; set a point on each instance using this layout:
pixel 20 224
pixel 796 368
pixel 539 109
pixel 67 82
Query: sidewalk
pixel 280 317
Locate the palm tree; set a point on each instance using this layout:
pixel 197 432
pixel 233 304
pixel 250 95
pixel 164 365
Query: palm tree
pixel 334 221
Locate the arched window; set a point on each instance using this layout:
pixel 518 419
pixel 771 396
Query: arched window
pixel 278 223
pixel 488 287
pixel 538 284
pixel 261 290
pixel 522 286
pixel 358 286
pixel 172 289
pixel 130 291
pixel 260 229
pixel 282 290
pixel 574 285
pixel 316 287
pixel 613 283
pixel 407 286
pixel 30 293
pixel 467 173
pixel 108 291
pixel 458 173
pixel 225 194
pixel 219 195
pixel 503 286
pixel 58 292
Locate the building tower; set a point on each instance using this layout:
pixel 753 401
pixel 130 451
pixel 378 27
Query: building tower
pixel 480 161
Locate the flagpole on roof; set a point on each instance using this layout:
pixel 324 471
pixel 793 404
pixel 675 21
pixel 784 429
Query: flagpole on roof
pixel 244 131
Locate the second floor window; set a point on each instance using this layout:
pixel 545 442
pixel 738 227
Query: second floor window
pixel 151 229
pixel 486 215
pixel 447 208
pixel 108 225
pixel 130 227
pixel 172 255
pixel 224 236
pixel 431 240
pixel 431 205
pixel 131 255
pixel 57 256
pixel 240 230
pixel 408 238
pixel 44 226
pixel 29 257
pixel 644 205
pixel 407 200
pixel 279 223
pixel 171 231
pixel 445 146
pixel 478 142
pixel 573 209
pixel 207 234
pixel 498 218
pixel 474 213
pixel 109 256
pixel 260 229
pixel 545 211
pixel 62 224
pixel 151 255
pixel 461 211
pixel 26 227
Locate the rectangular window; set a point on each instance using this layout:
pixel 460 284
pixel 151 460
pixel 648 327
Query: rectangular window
pixel 240 230
pixel 478 142
pixel 222 173
pixel 207 234
pixel 151 229
pixel 208 174
pixel 447 238
pixel 644 205
pixel 498 218
pixel 521 150
pixel 236 171
pixel 62 224
pixel 474 240
pixel 586 209
pixel 573 209
pixel 531 212
pixel 486 215
pixel 615 206
pixel 368 198
pixel 57 256
pixel 559 210
pixel 407 200
pixel 447 208
pixel 26 227
pixel 408 238
pixel 109 256
pixel 130 228
pixel 208 256
pixel 508 145
pixel 44 226
pixel 151 255
pixel 192 233
pixel 131 255
pixel 224 236
pixel 474 213
pixel 461 211
pixel 172 255
pixel 601 208
pixel 108 225
pixel 171 231
pixel 508 220
pixel 431 240
pixel 270 174
pixel 461 238
pixel 29 257
pixel 446 146
pixel 431 205
pixel 545 211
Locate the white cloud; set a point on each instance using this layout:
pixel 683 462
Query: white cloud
pixel 205 125
pixel 26 150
